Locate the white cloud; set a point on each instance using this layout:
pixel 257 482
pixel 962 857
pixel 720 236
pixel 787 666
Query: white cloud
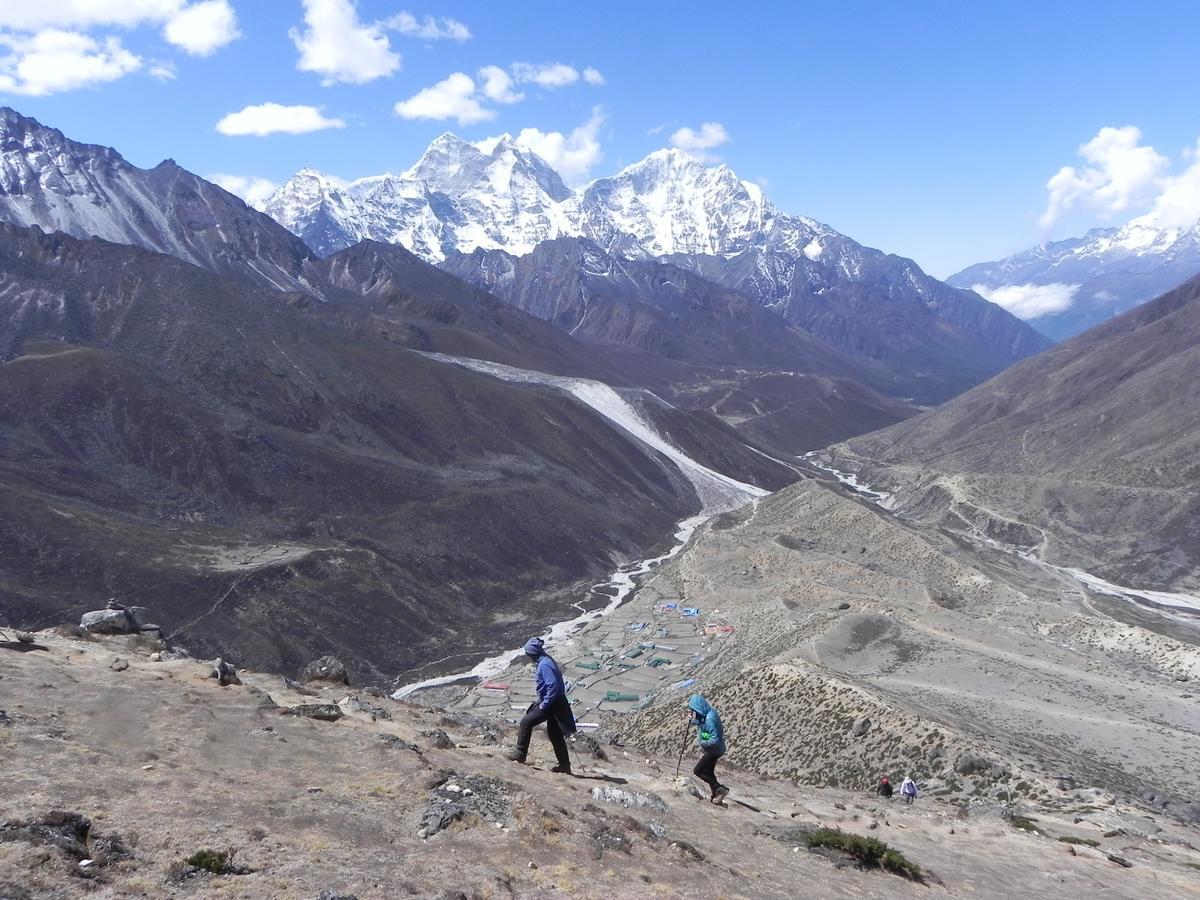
pixel 50 50
pixel 202 28
pixel 1178 202
pixel 572 155
pixel 465 99
pixel 657 129
pixel 593 76
pixel 547 75
pixel 339 47
pixel 272 118
pixel 54 60
pixel 429 28
pixel 698 143
pixel 452 98
pixel 199 27
pixel 1124 175
pixel 1030 301
pixel 83 14
pixel 255 191
pixel 497 85
pixel 1120 174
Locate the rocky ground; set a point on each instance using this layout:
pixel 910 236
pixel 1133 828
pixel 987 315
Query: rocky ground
pixel 122 763
pixel 840 642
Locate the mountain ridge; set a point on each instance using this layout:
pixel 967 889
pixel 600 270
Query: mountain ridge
pixel 670 207
pixel 1074 284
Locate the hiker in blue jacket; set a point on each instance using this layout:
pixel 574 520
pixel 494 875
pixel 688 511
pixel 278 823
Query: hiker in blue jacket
pixel 712 742
pixel 551 707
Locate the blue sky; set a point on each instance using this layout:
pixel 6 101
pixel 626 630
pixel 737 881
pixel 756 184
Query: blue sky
pixel 925 129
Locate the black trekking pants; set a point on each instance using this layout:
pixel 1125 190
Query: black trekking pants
pixel 706 769
pixel 534 717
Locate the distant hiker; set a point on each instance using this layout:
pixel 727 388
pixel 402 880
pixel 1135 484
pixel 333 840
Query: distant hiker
pixel 712 742
pixel 550 707
pixel 885 788
pixel 908 790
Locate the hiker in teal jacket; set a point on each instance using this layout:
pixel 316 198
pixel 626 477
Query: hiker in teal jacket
pixel 712 742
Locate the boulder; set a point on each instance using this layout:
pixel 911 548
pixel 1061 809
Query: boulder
pixel 972 764
pixel 324 712
pixel 589 744
pixel 438 739
pixel 119 665
pixel 354 704
pixel 108 621
pixel 631 799
pixel 327 668
pixel 224 673
pixel 861 726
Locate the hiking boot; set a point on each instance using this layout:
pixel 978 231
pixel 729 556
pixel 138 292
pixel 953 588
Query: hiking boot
pixel 561 770
pixel 719 794
pixel 516 756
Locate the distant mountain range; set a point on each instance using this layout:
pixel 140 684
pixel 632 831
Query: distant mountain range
pixel 1066 287
pixel 460 198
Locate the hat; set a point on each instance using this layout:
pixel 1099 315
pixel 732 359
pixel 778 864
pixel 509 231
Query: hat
pixel 535 648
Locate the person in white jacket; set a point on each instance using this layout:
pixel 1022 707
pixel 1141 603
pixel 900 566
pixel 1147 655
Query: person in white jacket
pixel 908 790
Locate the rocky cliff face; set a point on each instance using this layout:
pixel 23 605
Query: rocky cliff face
pixel 85 191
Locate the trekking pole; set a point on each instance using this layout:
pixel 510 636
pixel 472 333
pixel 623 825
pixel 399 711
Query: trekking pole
pixel 687 730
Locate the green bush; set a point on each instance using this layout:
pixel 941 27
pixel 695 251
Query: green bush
pixel 870 853
pixel 1025 823
pixel 215 861
pixel 1087 842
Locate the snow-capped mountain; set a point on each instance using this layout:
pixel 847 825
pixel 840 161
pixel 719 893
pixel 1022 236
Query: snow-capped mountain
pixel 1066 287
pixel 455 197
pixel 461 197
pixel 86 190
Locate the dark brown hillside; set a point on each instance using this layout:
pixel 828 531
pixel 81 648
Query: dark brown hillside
pixel 705 347
pixel 172 435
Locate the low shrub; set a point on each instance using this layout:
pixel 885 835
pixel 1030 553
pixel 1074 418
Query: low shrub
pixel 870 853
pixel 218 862
pixel 1086 842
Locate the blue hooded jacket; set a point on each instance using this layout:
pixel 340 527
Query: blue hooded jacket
pixel 712 735
pixel 550 687
pixel 547 676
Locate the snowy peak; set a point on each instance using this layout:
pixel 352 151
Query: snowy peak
pixel 671 203
pixel 324 214
pixel 1066 287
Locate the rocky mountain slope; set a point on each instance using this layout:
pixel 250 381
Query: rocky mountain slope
pixel 460 197
pixel 86 190
pixel 773 381
pixel 1086 281
pixel 392 800
pixel 1085 456
pixel 840 641
pixel 247 455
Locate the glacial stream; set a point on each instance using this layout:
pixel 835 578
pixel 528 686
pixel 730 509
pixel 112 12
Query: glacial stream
pixel 717 493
